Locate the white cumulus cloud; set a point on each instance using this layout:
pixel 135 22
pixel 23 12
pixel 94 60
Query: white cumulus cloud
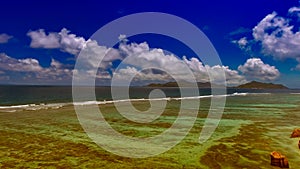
pixel 277 37
pixel 91 53
pixel 20 65
pixel 295 11
pixel 62 40
pixel 141 77
pixel 201 72
pixel 140 55
pixel 255 68
pixel 39 39
pixel 243 43
pixel 70 42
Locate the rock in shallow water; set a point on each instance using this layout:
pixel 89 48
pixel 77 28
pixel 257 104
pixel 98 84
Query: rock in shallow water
pixel 296 133
pixel 279 160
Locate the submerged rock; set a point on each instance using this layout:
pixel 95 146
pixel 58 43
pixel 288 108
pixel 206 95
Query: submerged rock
pixel 299 144
pixel 296 133
pixel 279 160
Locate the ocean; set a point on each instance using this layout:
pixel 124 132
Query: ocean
pixel 17 95
pixel 40 129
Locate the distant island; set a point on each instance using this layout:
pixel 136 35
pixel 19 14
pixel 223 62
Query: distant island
pixel 169 84
pixel 260 85
pixel 174 84
pixel 250 85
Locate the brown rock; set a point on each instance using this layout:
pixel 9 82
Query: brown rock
pixel 299 144
pixel 296 133
pixel 279 160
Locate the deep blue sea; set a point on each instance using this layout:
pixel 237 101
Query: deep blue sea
pixel 21 95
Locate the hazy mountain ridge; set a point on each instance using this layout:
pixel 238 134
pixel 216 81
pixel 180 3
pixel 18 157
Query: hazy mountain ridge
pixel 174 84
pixel 250 85
pixel 260 85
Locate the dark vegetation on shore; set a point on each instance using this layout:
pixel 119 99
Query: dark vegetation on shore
pixel 260 85
pixel 250 85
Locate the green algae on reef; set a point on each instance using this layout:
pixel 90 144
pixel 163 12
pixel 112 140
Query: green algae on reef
pixel 252 126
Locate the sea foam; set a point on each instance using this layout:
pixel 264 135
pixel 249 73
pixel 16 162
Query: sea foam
pixel 42 106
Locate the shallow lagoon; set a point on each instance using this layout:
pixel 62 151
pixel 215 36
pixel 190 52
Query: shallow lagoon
pixel 252 126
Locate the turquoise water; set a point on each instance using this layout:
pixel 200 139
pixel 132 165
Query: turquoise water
pixel 252 126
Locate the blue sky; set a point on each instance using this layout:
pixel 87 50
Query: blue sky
pixel 254 39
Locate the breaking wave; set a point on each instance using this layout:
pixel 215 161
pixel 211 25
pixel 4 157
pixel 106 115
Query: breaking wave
pixel 44 106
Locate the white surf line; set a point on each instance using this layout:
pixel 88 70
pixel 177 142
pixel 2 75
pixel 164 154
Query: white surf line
pixel 36 106
pixel 156 99
pixel 59 105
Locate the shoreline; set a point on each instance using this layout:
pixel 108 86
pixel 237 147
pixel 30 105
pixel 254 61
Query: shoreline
pixel 33 106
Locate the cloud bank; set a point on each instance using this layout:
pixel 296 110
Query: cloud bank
pixel 29 69
pixel 146 64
